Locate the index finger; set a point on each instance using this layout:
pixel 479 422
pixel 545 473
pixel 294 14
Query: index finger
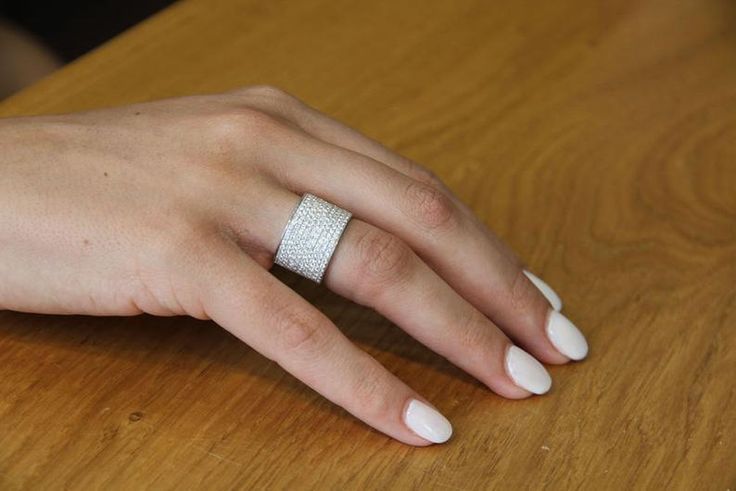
pixel 252 304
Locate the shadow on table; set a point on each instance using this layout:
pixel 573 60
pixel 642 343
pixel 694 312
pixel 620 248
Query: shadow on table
pixel 184 340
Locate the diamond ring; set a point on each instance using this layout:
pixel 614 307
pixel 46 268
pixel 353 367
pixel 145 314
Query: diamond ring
pixel 311 236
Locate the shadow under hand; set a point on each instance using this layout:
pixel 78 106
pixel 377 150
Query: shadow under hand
pixel 189 345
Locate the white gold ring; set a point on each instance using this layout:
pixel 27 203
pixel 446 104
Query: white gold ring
pixel 311 236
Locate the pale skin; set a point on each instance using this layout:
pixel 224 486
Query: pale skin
pixel 176 207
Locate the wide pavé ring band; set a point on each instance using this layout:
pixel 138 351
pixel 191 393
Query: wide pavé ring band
pixel 311 236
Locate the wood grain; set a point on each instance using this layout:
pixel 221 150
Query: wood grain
pixel 597 138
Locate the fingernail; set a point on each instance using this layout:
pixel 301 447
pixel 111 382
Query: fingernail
pixel 546 290
pixel 427 422
pixel 526 371
pixel 566 337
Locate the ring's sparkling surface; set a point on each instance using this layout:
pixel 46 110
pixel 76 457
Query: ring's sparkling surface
pixel 311 236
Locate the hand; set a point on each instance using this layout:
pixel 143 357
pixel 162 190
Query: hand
pixel 176 207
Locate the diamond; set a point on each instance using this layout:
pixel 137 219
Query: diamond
pixel 311 236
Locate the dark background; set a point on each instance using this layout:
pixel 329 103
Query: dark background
pixel 71 28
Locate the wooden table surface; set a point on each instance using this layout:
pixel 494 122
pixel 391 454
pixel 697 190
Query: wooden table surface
pixel 597 138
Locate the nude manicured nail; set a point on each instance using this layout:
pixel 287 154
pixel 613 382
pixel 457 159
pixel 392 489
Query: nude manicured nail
pixel 526 371
pixel 546 290
pixel 566 337
pixel 427 422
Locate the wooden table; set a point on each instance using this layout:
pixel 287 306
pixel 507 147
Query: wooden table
pixel 598 140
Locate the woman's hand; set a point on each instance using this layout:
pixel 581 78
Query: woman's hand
pixel 177 207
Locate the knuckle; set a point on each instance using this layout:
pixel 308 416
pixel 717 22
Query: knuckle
pixel 472 331
pixel 383 256
pixel 372 395
pixel 232 128
pixel 522 293
pixel 430 206
pixel 299 330
pixel 424 175
pixel 272 94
